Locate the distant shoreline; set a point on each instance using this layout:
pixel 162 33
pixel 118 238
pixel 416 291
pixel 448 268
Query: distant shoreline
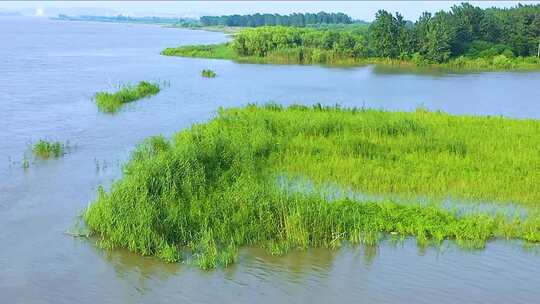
pixel 149 21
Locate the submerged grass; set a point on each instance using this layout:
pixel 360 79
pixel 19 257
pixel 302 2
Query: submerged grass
pixel 212 189
pixel 45 149
pixel 111 102
pixel 208 74
pixel 301 55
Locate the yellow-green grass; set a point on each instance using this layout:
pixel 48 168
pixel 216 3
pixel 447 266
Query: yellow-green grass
pixel 300 55
pixel 112 102
pixel 213 188
pixel 45 149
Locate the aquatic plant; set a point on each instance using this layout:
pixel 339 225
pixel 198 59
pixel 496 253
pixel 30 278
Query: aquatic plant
pixel 111 102
pixel 217 51
pixel 208 74
pixel 212 188
pixel 45 149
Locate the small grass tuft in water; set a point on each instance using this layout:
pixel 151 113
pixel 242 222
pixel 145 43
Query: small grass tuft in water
pixel 213 188
pixel 45 149
pixel 25 163
pixel 111 102
pixel 208 74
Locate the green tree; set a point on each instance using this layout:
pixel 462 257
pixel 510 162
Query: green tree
pixel 383 34
pixel 435 35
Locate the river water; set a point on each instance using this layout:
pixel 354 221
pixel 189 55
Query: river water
pixel 49 72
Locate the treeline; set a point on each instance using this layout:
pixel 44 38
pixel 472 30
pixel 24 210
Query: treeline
pixel 465 30
pixel 296 19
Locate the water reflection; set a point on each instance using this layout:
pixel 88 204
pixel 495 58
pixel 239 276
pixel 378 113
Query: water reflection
pixel 436 71
pixel 390 272
pixel 332 191
pixel 138 270
pixel 294 265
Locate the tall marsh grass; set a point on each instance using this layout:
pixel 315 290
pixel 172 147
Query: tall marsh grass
pixel 111 102
pixel 212 189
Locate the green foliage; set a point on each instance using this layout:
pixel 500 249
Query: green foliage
pixel 390 36
pixel 212 189
pixel 485 49
pixel 434 36
pixel 499 62
pixel 217 51
pixel 208 74
pixel 465 30
pixel 263 41
pixel 111 102
pixel 300 55
pixel 438 39
pixel 45 149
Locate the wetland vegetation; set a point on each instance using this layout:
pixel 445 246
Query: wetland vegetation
pixel 111 102
pixel 212 189
pixel 208 74
pixel 466 37
pixel 46 149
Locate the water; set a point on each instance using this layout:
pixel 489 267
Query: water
pixel 332 192
pixel 51 69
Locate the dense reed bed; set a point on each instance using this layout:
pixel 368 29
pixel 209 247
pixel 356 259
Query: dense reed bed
pixel 303 55
pixel 111 102
pixel 212 188
pixel 208 74
pixel 217 51
pixel 45 149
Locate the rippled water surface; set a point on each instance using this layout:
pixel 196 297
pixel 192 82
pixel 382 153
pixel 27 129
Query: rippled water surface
pixel 51 69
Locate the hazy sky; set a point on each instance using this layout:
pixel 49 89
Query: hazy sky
pixel 364 10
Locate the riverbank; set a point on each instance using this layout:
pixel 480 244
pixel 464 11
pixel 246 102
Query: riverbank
pixel 220 29
pixel 180 23
pixel 306 56
pixel 212 189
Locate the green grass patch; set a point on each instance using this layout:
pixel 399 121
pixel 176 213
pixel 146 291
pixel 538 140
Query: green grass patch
pixel 111 102
pixel 45 149
pixel 208 74
pixel 306 55
pixel 213 188
pixel 216 51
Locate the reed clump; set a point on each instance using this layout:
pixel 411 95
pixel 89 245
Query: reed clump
pixel 216 51
pixel 208 74
pixel 111 102
pixel 45 149
pixel 212 189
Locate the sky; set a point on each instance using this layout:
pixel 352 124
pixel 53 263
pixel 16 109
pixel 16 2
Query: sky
pixel 363 10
